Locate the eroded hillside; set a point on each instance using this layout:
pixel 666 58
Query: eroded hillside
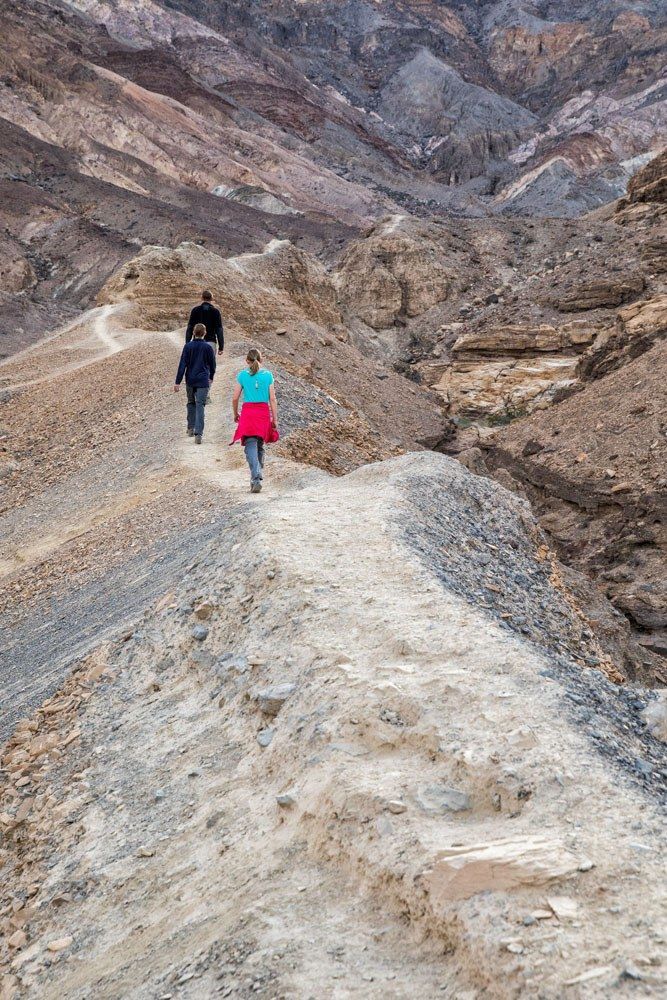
pixel 393 727
pixel 353 736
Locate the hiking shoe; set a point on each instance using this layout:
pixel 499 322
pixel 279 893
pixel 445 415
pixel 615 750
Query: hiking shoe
pixel 256 487
pixel 197 438
pixel 190 433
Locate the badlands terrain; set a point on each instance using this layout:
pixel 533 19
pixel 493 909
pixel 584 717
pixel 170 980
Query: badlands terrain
pixel 396 726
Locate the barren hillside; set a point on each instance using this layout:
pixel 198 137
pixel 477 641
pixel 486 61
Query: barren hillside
pixel 223 709
pixel 395 727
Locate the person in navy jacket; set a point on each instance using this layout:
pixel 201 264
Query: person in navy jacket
pixel 197 364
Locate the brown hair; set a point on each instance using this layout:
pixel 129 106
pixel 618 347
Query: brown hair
pixel 199 331
pixel 253 358
pixel 206 296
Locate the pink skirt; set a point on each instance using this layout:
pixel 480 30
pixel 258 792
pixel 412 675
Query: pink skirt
pixel 255 421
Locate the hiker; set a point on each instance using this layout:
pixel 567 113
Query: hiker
pixel 198 365
pixel 258 422
pixel 209 315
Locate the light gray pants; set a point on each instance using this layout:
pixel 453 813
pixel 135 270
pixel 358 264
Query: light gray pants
pixel 254 453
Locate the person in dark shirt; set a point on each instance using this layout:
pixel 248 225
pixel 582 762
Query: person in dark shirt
pixel 197 364
pixel 207 314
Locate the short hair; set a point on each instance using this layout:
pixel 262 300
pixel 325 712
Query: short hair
pixel 206 296
pixel 199 331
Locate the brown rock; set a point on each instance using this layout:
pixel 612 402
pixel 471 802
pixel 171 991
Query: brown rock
pixel 59 944
pixel 603 291
pixel 18 939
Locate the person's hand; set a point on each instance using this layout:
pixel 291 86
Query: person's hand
pixel 219 353
pixel 176 388
pixel 236 418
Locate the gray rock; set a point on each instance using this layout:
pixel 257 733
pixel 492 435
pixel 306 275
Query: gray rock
pixel 396 806
pixel 264 737
pixel 286 801
pixel 199 633
pixel 231 662
pixel 270 700
pixel 438 799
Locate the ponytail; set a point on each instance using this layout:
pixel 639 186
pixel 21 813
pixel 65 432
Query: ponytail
pixel 253 358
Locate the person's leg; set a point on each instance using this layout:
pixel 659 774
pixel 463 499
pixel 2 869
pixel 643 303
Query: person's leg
pixel 260 456
pixel 200 400
pixel 250 448
pixel 191 409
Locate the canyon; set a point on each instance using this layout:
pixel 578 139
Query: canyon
pixel 396 726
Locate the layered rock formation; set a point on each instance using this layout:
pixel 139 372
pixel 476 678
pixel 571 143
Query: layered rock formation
pixel 594 466
pixel 125 123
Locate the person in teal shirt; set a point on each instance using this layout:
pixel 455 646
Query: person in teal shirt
pixel 259 414
pixel 256 387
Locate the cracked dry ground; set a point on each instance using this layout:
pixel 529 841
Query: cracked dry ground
pixel 278 755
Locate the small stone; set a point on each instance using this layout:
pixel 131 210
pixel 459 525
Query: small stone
pixel 24 810
pixel 60 944
pixel 199 632
pixel 564 907
pixel 286 801
pixel 18 939
pixel 204 610
pixel 435 799
pixel 586 865
pixel 159 795
pixel 515 948
pixel 145 852
pixel 396 806
pixel 529 920
pixel 264 737
pixel 270 700
pixel 631 972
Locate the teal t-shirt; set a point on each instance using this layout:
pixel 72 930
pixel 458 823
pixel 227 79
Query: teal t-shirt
pixel 255 387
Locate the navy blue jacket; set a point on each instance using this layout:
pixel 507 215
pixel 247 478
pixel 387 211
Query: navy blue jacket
pixel 197 364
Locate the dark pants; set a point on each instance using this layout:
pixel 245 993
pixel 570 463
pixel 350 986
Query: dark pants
pixel 197 400
pixel 254 453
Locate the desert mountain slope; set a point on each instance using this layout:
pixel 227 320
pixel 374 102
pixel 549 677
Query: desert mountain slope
pixel 304 741
pixel 125 123
pixel 540 106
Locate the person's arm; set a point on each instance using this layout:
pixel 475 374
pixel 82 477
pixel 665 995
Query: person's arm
pixel 191 326
pixel 219 332
pixel 182 367
pixel 273 403
pixel 235 401
pixel 211 364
